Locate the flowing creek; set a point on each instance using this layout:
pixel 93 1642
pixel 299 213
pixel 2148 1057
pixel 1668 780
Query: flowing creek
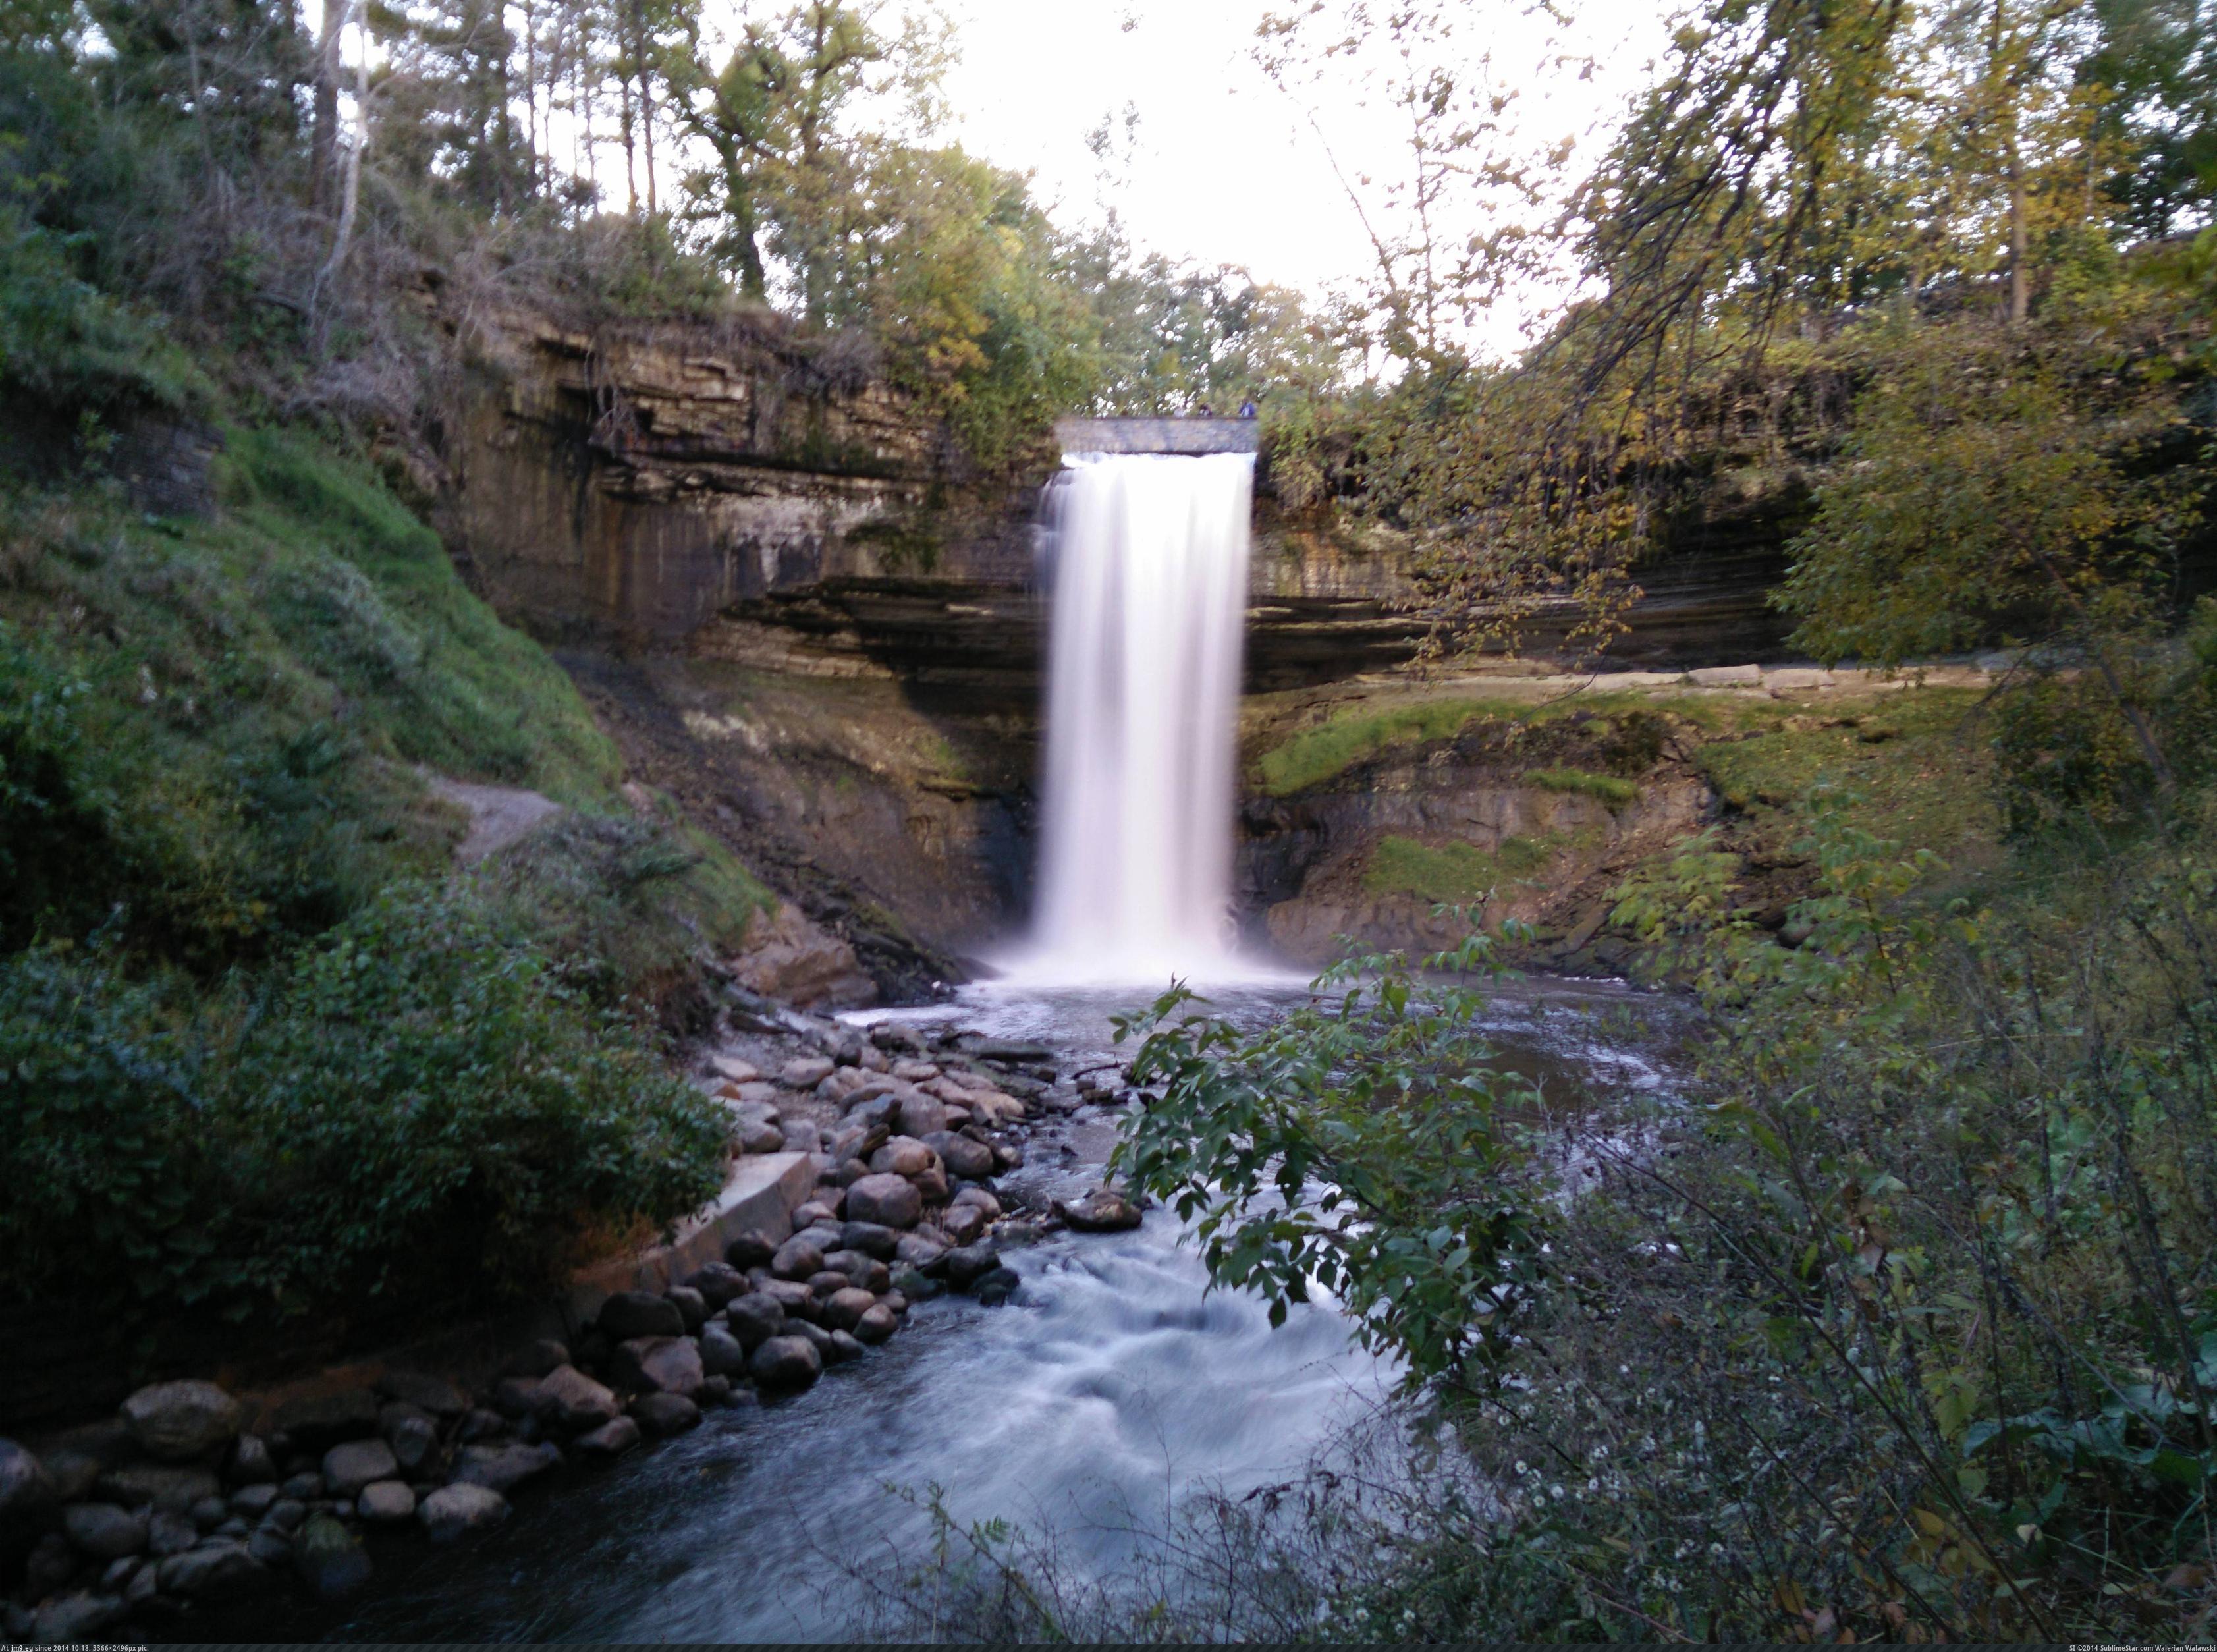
pixel 1109 1389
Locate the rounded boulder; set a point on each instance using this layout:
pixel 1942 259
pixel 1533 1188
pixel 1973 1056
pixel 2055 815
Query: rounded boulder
pixel 178 1422
pixel 887 1201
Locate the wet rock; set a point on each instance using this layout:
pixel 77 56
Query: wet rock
pixel 874 1324
pixel 103 1531
pixel 734 1070
pixel 920 1115
pixel 270 1545
pixel 536 1359
pixel 49 1566
pixel 995 1287
pixel 888 1201
pixel 315 1424
pixel 962 1156
pixel 215 1571
pixel 865 1271
pixel 821 1286
pixel 168 1486
pixel 504 1468
pixel 254 1501
pixel 26 1492
pixel 413 1436
pixel 932 1185
pixel 792 1295
pixel 629 1314
pixel 753 1319
pixel 962 1223
pixel 982 1198
pixel 252 1462
pixel 1102 1211
pixel 904 1155
pixel 786 1362
pixel 895 1301
pixel 844 1309
pixel 286 1514
pixel 427 1393
pixel 329 1558
pixel 692 1307
pixel 453 1512
pixel 386 1503
pixel 569 1400
pixel 797 1258
pixel 348 1468
pixel 208 1513
pixel 749 1251
pixel 74 1474
pixel 481 1425
pixel 871 1238
pixel 805 1071
pixel 612 1439
pixel 815 1211
pixel 664 1414
pixel 968 1264
pixel 658 1366
pixel 718 1283
pixel 842 1347
pixel 182 1422
pixel 721 1353
pixel 75 1619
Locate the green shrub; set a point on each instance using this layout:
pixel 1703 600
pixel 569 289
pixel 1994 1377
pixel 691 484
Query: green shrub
pixel 72 347
pixel 415 1104
pixel 2064 752
pixel 1607 789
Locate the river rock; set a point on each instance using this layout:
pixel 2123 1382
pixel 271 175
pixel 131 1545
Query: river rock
pixel 534 1359
pixel 962 1223
pixel 871 1238
pixel 208 1513
pixel 180 1422
pixel 753 1319
pixel 792 1295
pixel 843 1308
pixel 821 1286
pixel 997 1287
pixel 721 1353
pixel 805 1071
pixel 215 1571
pixel 888 1201
pixel 749 1251
pixel 303 1487
pixel 413 1436
pixel 904 1155
pixel 169 1486
pixel 718 1283
pixel 104 1531
pixel 348 1468
pixel 612 1439
pixel 286 1514
pixel 922 1251
pixel 865 1271
pixel 658 1365
pixel 816 1211
pixel 454 1511
pixel 270 1545
pixel 1104 1211
pixel 254 1501
pixel 386 1502
pixel 797 1258
pixel 315 1423
pixel 874 1324
pixel 252 1462
pixel 331 1559
pixel 692 1307
pixel 75 1619
pixel 973 1160
pixel 734 1068
pixel 432 1393
pixel 969 1263
pixel 503 1468
pixel 920 1115
pixel 26 1493
pixel 932 1185
pixel 569 1400
pixel 982 1197
pixel 629 1314
pixel 663 1414
pixel 785 1363
pixel 825 1235
pixel 840 1346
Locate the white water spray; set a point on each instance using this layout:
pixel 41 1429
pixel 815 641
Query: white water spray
pixel 1149 568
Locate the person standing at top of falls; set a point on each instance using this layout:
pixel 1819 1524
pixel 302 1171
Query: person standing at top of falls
pixel 1247 408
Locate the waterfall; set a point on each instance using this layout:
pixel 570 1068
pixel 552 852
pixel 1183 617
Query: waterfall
pixel 1147 558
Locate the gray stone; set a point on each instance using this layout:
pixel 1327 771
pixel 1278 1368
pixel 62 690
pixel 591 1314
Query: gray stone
pixel 1102 1211
pixel 169 1486
pixel 329 1558
pixel 49 1566
pixel 821 1286
pixel 504 1468
pixel 481 1424
pixel 812 1333
pixel 846 1308
pixel 784 1362
pixel 962 1156
pixel 215 1571
pixel 632 1314
pixel 692 1307
pixel 208 1513
pixel 271 1545
pixel 252 1463
pixel 749 1251
pixel 286 1514
pixel 169 1532
pixel 797 1258
pixel 612 1439
pixel 842 1347
pixel 119 1573
pixel 26 1492
pixel 145 1585
pixel 962 1223
pixel 232 1526
pixel 813 1212
pixel 658 1365
pixel 104 1531
pixel 254 1501
pixel 432 1393
pixel 514 1396
pixel 316 1423
pixel 733 1068
pixel 982 1198
pixel 413 1436
pixel 760 1136
pixel 718 1283
pixel 995 1287
pixel 805 1071
pixel 871 1238
pixel 791 1295
pixel 348 1468
pixel 904 1155
pixel 569 1400
pixel 74 1473
pixel 180 1422
pixel 721 1353
pixel 876 1323
pixel 753 1319
pixel 932 1185
pixel 920 1115
pixel 536 1359
pixel 303 1487
pixel 889 1201
pixel 921 1252
pixel 75 1619
pixel 453 1512
pixel 664 1414
pixel 386 1503
pixel 970 1262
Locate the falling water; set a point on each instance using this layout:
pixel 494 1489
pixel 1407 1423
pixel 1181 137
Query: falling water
pixel 1149 569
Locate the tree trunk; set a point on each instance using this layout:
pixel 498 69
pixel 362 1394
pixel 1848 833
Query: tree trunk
pixel 323 144
pixel 643 71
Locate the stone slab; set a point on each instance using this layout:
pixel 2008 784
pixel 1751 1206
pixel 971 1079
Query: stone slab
pixel 763 1192
pixel 1169 436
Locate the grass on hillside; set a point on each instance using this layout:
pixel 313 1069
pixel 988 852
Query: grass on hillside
pixel 1455 871
pixel 1612 789
pixel 1357 732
